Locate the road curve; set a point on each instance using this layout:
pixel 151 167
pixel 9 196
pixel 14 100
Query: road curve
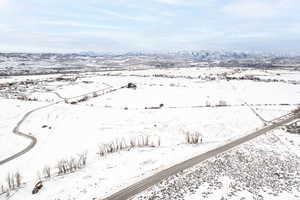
pixel 32 139
pixel 142 185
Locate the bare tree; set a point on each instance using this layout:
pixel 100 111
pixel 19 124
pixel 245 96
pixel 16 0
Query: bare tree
pixel 2 190
pixel 47 172
pixel 82 159
pixel 10 181
pixel 193 138
pixel 18 178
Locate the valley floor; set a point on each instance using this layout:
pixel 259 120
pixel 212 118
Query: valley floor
pixel 96 109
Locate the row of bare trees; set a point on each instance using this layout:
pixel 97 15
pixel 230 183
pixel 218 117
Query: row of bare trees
pixel 193 137
pixel 123 144
pixel 65 166
pixel 70 165
pixel 14 180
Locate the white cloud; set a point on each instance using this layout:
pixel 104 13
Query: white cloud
pixel 3 4
pixel 261 8
pixel 78 24
pixel 142 18
pixel 167 14
pixel 246 8
pixel 6 6
pixel 6 28
pixel 187 2
pixel 294 28
pixel 172 2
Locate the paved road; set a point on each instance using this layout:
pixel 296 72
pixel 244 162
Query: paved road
pixel 32 139
pixel 29 137
pixel 142 185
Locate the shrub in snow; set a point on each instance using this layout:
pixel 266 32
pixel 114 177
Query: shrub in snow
pixel 207 103
pixel 95 94
pixel 222 103
pixel 193 138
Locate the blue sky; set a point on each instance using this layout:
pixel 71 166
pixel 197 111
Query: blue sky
pixel 149 25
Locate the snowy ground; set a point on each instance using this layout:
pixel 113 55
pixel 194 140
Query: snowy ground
pixel 11 113
pixel 106 124
pixel 64 130
pixel 266 168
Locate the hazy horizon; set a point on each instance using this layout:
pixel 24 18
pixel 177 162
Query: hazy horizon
pixel 152 26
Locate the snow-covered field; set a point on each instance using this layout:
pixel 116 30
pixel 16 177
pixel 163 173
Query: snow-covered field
pixel 190 103
pixel 266 168
pixel 11 113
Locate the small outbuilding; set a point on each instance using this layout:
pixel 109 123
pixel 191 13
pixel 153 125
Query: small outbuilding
pixel 131 85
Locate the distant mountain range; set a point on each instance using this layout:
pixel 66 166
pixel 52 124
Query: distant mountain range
pixel 204 55
pixel 42 63
pixel 201 55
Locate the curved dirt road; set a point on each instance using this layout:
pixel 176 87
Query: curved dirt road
pixel 142 185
